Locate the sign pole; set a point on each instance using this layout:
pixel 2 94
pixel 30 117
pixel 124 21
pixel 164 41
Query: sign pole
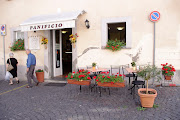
pixel 3 33
pixel 154 47
pixel 4 56
pixel 154 17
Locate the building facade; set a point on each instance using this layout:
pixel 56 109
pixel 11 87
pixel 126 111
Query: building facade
pixel 55 20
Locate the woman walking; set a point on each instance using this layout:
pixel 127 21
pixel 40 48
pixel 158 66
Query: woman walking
pixel 14 63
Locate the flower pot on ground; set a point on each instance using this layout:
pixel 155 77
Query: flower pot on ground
pixel 147 95
pixel 147 100
pixel 106 80
pixel 79 78
pixel 168 71
pixel 40 75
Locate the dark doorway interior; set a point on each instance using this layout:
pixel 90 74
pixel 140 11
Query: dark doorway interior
pixel 66 51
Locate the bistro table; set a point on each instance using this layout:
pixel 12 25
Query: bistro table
pixel 97 70
pixel 130 70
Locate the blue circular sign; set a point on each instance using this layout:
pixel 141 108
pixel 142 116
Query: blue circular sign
pixel 154 16
pixel 2 28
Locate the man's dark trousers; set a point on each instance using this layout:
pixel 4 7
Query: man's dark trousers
pixel 30 75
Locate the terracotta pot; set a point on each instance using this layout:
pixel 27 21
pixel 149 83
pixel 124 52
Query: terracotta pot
pixel 94 68
pixel 40 76
pixel 167 77
pixel 108 84
pixel 83 82
pixel 147 100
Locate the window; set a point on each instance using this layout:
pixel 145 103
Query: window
pixel 19 35
pixel 117 27
pixel 117 31
pixel 16 34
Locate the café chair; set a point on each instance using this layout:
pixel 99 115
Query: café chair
pixel 115 67
pixel 129 75
pixel 136 83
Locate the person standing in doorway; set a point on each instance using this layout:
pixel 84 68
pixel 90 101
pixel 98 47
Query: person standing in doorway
pixel 31 63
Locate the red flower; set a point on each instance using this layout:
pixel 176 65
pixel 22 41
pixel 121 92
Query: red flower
pixel 103 76
pixel 97 80
pixel 120 75
pixel 112 82
pixel 107 72
pixel 88 78
pixel 22 43
pixel 166 63
pixel 71 76
pixel 94 77
pixel 66 76
pixel 117 73
pixel 124 75
pixel 88 72
pixel 107 45
pixel 79 76
pixel 80 70
pixel 166 71
pixel 73 71
pixel 108 77
pixel 77 72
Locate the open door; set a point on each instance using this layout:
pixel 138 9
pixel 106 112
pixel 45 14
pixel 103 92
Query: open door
pixel 66 51
pixel 57 61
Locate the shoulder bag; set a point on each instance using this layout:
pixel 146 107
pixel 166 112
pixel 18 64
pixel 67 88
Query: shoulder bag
pixel 10 67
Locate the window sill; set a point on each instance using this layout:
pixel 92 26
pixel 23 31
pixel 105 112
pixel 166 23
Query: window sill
pixel 104 47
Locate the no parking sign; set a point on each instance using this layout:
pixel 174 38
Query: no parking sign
pixel 3 30
pixel 154 16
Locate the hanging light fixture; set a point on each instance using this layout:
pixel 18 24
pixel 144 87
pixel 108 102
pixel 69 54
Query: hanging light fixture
pixel 87 24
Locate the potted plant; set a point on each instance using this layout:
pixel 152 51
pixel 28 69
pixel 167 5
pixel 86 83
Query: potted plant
pixel 94 65
pixel 133 64
pixel 73 38
pixel 45 42
pixel 114 45
pixel 106 80
pixel 148 95
pixel 40 75
pixel 17 45
pixel 79 78
pixel 168 71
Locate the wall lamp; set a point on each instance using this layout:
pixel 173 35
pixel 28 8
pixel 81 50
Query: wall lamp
pixel 87 24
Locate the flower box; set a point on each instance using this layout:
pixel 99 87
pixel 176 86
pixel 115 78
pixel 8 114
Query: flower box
pixel 109 84
pixel 81 82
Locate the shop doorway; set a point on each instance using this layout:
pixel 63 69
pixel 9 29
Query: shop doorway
pixel 66 51
pixel 62 52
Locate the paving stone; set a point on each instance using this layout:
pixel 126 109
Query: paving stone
pixel 67 103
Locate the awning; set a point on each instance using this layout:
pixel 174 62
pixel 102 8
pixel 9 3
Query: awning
pixel 52 21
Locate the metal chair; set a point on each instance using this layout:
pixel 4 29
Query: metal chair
pixel 135 83
pixel 129 75
pixel 117 67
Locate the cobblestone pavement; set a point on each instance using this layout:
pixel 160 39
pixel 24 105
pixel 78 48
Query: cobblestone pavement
pixel 68 103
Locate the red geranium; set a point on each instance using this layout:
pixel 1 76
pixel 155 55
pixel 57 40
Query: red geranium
pixel 168 70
